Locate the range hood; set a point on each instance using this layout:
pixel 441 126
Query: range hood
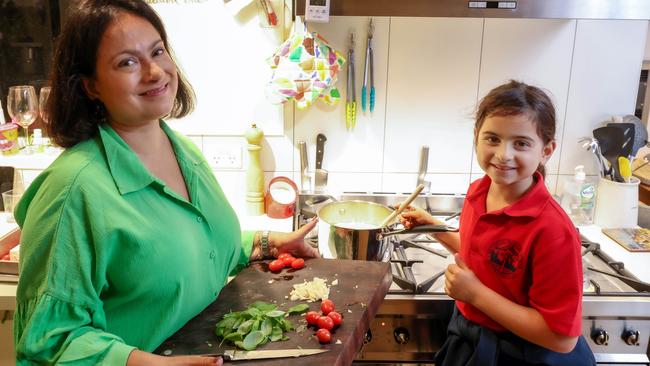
pixel 541 9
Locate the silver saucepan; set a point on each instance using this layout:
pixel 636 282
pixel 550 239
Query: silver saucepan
pixel 351 230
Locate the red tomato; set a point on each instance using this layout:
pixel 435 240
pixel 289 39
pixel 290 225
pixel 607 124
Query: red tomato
pixel 287 260
pixel 312 317
pixel 326 306
pixel 324 336
pixel 325 322
pixel 276 265
pixel 298 263
pixel 283 255
pixel 336 318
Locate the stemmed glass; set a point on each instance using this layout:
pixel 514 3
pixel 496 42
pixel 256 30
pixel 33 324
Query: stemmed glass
pixel 42 103
pixel 22 106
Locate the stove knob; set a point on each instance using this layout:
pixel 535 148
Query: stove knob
pixel 401 335
pixel 631 337
pixel 600 336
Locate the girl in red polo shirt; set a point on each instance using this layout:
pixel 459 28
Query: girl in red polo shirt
pixel 517 279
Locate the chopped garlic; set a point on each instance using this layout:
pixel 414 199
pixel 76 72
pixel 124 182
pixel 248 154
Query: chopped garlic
pixel 311 291
pixel 335 282
pixel 338 341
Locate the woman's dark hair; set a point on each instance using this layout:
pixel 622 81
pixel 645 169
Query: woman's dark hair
pixel 515 98
pixel 74 117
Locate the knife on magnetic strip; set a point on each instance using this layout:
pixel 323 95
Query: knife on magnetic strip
pixel 237 355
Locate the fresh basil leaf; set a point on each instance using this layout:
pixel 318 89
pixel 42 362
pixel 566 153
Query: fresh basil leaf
pixel 263 306
pixel 298 309
pixel 233 337
pixel 267 326
pixel 275 313
pixel 237 323
pixel 252 340
pixel 256 325
pixel 253 312
pixel 287 325
pixel 276 334
pixel 245 327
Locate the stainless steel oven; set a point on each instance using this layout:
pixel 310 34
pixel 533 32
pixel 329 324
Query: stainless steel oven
pixel 411 323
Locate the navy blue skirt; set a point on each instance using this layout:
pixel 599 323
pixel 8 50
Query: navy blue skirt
pixel 470 344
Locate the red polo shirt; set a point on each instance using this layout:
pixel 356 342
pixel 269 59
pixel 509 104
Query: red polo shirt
pixel 529 252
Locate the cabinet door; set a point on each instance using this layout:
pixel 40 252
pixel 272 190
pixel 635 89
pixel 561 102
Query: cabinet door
pixel 535 51
pixel 607 60
pixel 433 73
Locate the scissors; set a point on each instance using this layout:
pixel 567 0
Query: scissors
pixel 368 73
pixel 351 97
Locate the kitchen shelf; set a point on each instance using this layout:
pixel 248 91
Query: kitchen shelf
pixel 545 9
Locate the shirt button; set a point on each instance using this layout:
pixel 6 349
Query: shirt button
pixel 199 219
pixel 212 255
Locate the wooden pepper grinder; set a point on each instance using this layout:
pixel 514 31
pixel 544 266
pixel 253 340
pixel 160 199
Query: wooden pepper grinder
pixel 254 174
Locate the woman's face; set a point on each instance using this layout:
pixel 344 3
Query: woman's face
pixel 135 77
pixel 509 150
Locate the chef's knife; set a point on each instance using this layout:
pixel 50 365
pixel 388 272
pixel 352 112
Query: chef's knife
pixel 305 179
pixel 320 176
pixel 236 355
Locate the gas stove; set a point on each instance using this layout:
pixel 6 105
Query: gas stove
pixel 411 323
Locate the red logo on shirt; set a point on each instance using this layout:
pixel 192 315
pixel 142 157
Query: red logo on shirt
pixel 504 256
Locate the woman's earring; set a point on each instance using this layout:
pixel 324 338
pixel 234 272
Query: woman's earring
pixel 100 112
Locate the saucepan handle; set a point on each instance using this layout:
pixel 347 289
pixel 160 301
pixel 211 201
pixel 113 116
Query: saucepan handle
pixel 421 229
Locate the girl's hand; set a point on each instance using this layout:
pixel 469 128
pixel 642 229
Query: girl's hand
pixel 460 282
pixel 414 216
pixel 294 242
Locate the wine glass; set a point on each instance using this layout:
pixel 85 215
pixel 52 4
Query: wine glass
pixel 22 106
pixel 42 103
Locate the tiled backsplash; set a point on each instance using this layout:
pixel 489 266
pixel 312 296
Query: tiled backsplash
pixel 429 75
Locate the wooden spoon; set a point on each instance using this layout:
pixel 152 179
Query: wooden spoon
pixel 402 206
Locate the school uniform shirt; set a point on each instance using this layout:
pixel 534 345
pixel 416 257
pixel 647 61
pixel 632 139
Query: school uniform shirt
pixel 112 259
pixel 529 252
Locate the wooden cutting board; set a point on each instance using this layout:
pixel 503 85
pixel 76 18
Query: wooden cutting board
pixel 360 291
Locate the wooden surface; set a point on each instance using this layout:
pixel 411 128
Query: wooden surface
pixel 361 289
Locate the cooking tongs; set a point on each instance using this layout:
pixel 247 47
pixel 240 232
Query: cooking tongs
pixel 351 95
pixel 368 73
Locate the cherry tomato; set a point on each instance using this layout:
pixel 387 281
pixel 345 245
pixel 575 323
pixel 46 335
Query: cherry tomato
pixel 276 266
pixel 298 263
pixel 326 306
pixel 325 322
pixel 283 255
pixel 312 317
pixel 324 336
pixel 287 260
pixel 336 318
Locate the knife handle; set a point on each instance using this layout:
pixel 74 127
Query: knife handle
pixel 320 147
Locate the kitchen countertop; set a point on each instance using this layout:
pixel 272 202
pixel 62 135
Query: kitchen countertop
pixel 635 262
pixel 8 290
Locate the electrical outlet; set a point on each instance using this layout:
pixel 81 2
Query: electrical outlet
pixel 225 157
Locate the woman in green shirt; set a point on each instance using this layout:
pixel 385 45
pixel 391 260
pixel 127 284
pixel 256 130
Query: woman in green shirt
pixel 128 234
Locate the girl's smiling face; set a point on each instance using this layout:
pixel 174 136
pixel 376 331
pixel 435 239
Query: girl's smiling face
pixel 135 77
pixel 509 150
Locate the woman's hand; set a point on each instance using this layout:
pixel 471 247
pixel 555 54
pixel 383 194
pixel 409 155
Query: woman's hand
pixel 460 282
pixel 294 242
pixel 414 216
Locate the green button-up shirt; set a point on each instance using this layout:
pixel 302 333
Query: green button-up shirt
pixel 113 259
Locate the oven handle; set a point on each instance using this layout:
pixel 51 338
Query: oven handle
pixel 632 282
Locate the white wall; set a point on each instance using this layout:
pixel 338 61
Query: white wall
pixel 429 74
